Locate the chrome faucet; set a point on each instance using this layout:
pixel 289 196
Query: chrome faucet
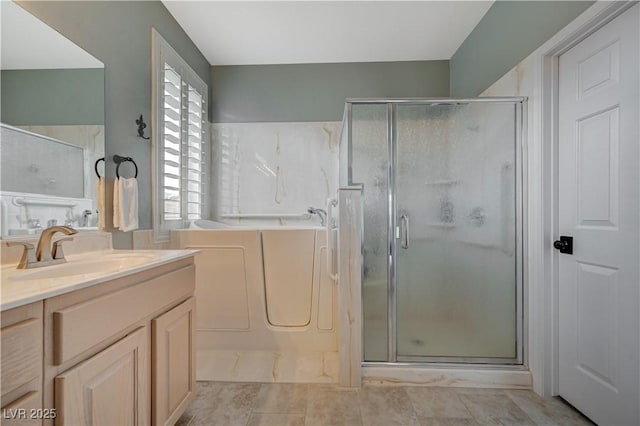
pixel 322 214
pixel 44 254
pixel 85 218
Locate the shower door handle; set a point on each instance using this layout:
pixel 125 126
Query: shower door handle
pixel 404 231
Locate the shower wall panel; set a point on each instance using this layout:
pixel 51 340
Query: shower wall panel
pixel 273 168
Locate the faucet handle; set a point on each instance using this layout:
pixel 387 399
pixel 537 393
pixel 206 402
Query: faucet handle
pixel 57 252
pixel 28 255
pixel 34 223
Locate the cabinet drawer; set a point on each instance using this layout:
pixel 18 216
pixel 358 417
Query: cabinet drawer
pixel 25 411
pixel 80 327
pixel 21 353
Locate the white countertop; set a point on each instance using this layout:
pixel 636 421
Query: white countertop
pixel 22 286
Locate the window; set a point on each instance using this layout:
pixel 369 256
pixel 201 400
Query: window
pixel 180 140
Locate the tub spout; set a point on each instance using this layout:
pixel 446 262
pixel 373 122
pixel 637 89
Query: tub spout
pixel 322 214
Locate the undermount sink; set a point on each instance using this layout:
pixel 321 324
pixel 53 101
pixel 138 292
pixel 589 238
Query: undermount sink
pixel 97 265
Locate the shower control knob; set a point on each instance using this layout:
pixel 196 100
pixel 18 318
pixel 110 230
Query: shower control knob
pixel 564 244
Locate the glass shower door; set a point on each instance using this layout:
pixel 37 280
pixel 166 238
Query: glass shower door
pixel 455 214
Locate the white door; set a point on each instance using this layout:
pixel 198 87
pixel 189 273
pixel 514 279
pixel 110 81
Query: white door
pixel 598 205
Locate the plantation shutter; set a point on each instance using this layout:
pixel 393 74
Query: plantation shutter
pixel 172 149
pixel 180 154
pixel 194 155
pixel 183 130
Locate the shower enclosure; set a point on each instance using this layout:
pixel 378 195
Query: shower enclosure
pixel 442 247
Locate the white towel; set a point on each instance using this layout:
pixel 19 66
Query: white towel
pixel 100 194
pixel 116 203
pixel 126 189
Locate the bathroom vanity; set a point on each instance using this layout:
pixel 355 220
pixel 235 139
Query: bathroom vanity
pixel 85 345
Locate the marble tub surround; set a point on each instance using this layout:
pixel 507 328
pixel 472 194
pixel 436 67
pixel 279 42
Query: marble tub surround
pixel 268 366
pixel 467 377
pixel 23 286
pixel 220 403
pixel 274 168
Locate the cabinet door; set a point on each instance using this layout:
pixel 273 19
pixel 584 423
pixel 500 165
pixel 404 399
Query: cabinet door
pixel 26 411
pixel 109 388
pixel 173 360
pixel 21 366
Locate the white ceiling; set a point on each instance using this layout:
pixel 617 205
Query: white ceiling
pixel 28 43
pixel 268 32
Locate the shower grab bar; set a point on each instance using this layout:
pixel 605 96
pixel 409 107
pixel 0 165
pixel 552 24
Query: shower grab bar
pixel 303 216
pixel 331 203
pixel 24 201
pixel 404 230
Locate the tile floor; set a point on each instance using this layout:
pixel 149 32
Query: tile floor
pixel 224 403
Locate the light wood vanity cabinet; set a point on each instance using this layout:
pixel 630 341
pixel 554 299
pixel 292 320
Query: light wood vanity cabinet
pixel 117 353
pixel 21 379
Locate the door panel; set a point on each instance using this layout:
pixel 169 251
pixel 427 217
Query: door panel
pixel 173 369
pixel 598 203
pixel 456 232
pixel 370 167
pixel 109 388
pixel 597 156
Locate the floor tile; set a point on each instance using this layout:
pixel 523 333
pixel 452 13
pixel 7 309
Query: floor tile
pixel 427 421
pixel 328 405
pixel 435 402
pixel 551 411
pixel 386 406
pixel 205 393
pixel 274 419
pixel 230 404
pixel 479 391
pixel 281 398
pixel 224 403
pixel 494 409
pixel 185 420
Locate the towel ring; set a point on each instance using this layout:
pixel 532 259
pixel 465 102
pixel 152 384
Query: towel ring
pixel 119 160
pixel 96 166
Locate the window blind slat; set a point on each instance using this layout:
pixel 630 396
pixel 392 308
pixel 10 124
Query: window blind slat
pixel 171 101
pixel 171 126
pixel 169 113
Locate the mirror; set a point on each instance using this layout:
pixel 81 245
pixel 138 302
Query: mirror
pixel 52 117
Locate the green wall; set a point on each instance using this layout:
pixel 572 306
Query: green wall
pixel 316 92
pixel 508 33
pixel 118 33
pixel 52 97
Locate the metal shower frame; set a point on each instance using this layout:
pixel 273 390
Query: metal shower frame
pixel 520 212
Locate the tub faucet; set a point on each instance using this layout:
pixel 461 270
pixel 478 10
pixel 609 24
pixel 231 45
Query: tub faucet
pixel 322 214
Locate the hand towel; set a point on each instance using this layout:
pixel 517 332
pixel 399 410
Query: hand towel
pixel 128 204
pixel 116 203
pixel 100 194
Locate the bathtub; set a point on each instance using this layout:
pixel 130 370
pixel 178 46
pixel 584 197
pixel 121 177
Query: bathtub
pixel 266 307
